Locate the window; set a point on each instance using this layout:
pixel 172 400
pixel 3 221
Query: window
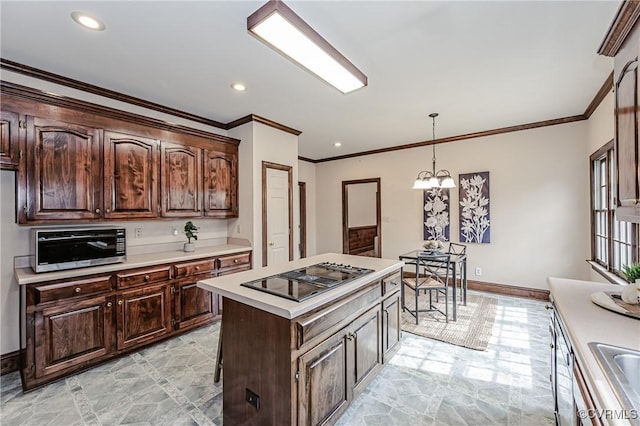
pixel 614 244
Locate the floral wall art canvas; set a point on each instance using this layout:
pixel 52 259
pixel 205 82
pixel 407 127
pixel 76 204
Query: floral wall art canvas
pixel 436 214
pixel 475 221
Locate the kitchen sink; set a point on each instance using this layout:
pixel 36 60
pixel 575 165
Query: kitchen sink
pixel 622 369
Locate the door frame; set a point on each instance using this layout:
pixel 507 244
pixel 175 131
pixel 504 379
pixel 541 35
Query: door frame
pixel 289 169
pixel 302 186
pixel 345 213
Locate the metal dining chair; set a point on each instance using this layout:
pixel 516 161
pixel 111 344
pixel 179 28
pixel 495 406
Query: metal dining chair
pixel 456 249
pixel 431 276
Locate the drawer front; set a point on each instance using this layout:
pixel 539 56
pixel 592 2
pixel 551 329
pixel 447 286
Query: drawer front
pixel 234 260
pixel 192 268
pixel 143 276
pixel 75 288
pixel 312 326
pixel 391 282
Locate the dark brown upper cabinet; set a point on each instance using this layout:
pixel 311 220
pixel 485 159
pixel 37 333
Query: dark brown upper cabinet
pixel 220 184
pixel 181 181
pixel 9 140
pixel 85 162
pixel 131 176
pixel 63 171
pixel 622 42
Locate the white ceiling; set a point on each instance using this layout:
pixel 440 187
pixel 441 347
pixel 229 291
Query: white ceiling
pixel 482 65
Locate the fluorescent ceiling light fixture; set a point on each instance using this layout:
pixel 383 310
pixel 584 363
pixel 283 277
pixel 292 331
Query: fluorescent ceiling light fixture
pixel 88 21
pixel 279 27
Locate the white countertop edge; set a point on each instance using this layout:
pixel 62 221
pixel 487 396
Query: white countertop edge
pixel 229 285
pixel 587 322
pixel 28 276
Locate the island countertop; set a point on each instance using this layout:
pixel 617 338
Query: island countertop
pixel 587 322
pixel 229 285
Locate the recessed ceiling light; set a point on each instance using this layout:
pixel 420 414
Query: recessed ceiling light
pixel 239 87
pixel 88 21
pixel 337 144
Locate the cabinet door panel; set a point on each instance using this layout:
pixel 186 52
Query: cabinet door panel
pixel 9 140
pixel 390 325
pixel 193 305
pixel 323 385
pixel 63 170
pixel 366 337
pixel 131 172
pixel 221 184
pixel 181 181
pixel 627 154
pixel 73 334
pixel 143 315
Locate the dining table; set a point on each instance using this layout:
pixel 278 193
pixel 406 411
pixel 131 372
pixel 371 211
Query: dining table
pixel 456 262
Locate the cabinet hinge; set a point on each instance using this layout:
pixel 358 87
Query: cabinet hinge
pixel 173 290
pixel 21 155
pixel 25 209
pixel 159 209
pixel 22 124
pixel 33 367
pixel 297 375
pixel 173 322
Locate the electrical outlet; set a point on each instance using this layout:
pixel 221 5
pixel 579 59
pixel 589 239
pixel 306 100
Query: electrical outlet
pixel 238 229
pixel 252 398
pixel 478 271
pixel 174 230
pixel 137 232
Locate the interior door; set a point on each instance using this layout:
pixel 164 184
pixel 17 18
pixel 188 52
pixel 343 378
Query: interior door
pixel 277 216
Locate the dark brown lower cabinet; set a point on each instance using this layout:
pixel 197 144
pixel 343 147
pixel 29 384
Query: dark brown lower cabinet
pixel 307 370
pixel 193 305
pixel 332 372
pixel 73 324
pixel 143 315
pixel 73 334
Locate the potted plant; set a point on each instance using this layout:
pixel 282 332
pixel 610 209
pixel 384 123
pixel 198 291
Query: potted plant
pixel 190 230
pixel 632 273
pixel 631 294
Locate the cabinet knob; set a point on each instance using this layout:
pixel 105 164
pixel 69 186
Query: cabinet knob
pixel 235 260
pixel 120 302
pixel 197 268
pixel 109 304
pixel 97 210
pixel 547 307
pixel 636 202
pixel 146 278
pixel 78 289
pixel 108 210
pixel 551 345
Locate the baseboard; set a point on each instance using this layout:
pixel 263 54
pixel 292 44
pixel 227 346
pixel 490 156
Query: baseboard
pixel 9 362
pixel 509 290
pixel 504 289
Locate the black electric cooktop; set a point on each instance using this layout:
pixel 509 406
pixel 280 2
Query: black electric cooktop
pixel 303 283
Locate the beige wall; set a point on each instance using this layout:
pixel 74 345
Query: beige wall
pixel 539 192
pixel 307 174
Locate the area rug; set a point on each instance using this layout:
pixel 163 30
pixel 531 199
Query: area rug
pixel 471 330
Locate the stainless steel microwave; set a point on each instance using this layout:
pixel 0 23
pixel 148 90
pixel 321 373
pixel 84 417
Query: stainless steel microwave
pixel 70 248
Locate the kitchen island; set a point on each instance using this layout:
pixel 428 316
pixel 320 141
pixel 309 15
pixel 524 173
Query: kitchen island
pixel 289 362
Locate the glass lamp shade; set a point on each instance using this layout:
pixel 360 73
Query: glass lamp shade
pixel 448 182
pixel 434 182
pixel 421 184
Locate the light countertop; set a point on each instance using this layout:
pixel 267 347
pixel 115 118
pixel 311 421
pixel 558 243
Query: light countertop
pixel 587 322
pixel 27 276
pixel 229 285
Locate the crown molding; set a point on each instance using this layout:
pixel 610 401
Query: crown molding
pixel 626 17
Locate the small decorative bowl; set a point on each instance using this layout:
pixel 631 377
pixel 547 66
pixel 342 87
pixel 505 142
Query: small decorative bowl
pixel 433 245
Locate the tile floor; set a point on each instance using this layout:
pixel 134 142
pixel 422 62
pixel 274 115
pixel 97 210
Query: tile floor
pixel 426 383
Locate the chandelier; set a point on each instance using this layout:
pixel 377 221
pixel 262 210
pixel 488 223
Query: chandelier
pixel 428 179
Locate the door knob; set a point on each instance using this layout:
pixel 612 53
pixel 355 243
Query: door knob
pixel 270 243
